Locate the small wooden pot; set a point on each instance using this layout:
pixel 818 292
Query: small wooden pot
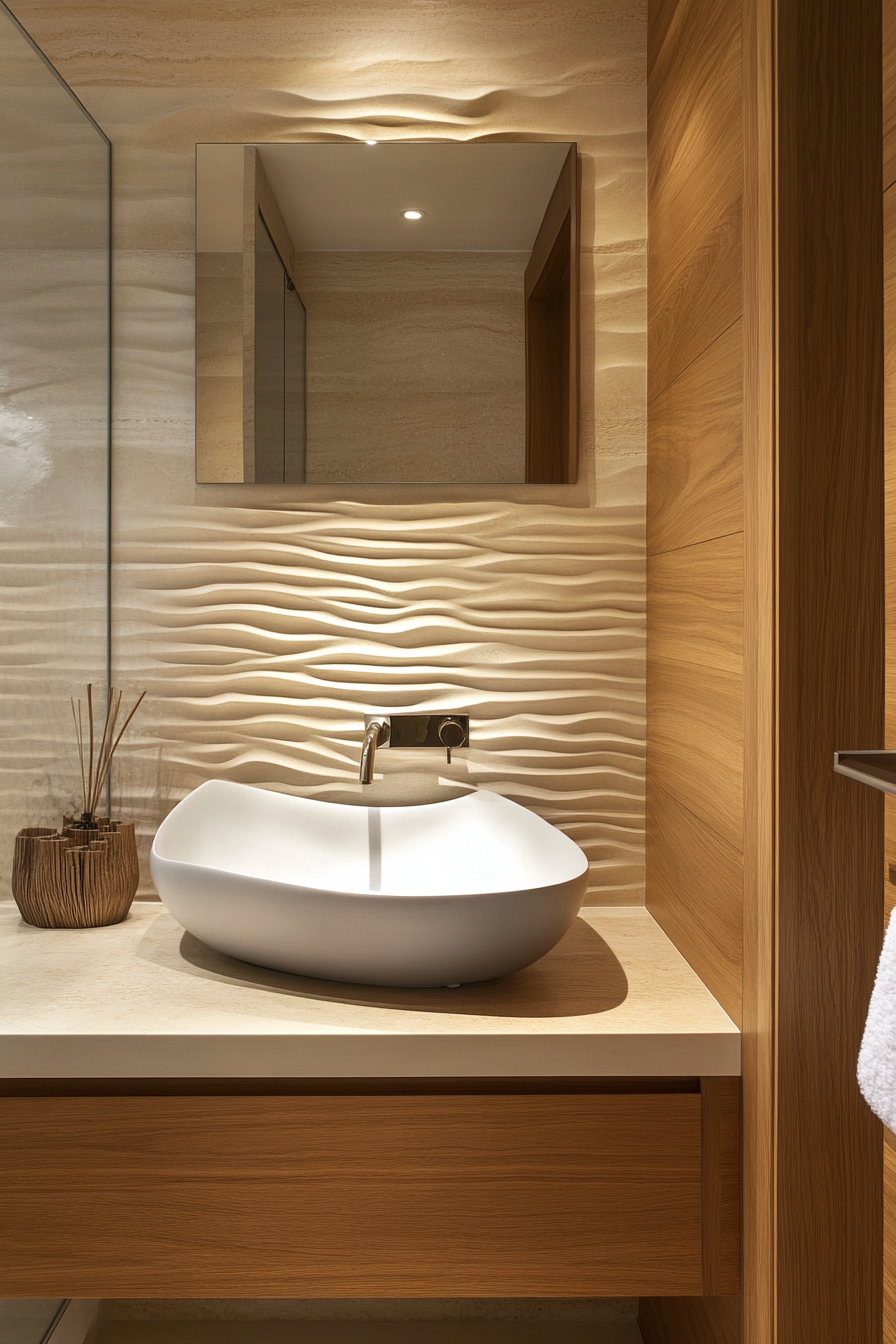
pixel 75 879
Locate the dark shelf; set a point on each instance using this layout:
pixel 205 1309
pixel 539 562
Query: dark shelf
pixel 875 768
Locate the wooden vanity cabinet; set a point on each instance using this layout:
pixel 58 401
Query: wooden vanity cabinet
pixel 489 1188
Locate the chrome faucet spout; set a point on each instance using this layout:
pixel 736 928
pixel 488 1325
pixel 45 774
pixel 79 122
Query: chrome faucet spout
pixel 376 735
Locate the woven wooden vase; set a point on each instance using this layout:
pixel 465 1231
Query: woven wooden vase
pixel 75 878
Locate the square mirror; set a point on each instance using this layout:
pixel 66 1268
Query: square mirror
pixel 386 312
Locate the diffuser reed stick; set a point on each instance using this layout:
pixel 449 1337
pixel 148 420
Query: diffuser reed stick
pixel 95 768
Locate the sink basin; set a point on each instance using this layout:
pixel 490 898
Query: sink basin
pixel 439 894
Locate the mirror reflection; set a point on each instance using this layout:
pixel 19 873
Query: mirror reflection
pixel 386 312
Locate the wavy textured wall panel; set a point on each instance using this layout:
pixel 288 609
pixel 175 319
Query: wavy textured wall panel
pixel 265 621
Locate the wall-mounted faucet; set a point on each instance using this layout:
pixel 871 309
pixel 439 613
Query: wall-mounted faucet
pixel 411 730
pixel 376 734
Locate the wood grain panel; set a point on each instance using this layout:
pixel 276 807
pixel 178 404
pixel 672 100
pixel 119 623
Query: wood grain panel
pixel 760 635
pixel 890 451
pixel 889 175
pixel 889 91
pixel 830 661
pixel 694 136
pixel 696 600
pixel 665 18
pixel 694 522
pixel 361 1197
pixel 889 1306
pixel 813 670
pixel 720 1118
pixel 695 743
pixel 695 893
pixel 694 459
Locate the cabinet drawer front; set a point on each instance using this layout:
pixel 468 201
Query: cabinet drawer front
pixel 359 1196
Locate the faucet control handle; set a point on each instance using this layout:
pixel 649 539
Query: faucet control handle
pixel 452 733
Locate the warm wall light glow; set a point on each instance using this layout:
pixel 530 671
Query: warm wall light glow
pixel 371 142
pixel 412 214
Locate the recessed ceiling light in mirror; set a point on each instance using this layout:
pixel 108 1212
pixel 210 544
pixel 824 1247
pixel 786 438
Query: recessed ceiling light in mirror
pixel 412 214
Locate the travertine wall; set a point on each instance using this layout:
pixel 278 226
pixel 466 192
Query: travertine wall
pixel 266 620
pixel 416 365
pixel 219 366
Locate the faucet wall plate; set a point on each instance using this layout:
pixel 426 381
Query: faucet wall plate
pixel 421 730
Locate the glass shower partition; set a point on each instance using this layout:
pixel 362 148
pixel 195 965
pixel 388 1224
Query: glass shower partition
pixel 54 431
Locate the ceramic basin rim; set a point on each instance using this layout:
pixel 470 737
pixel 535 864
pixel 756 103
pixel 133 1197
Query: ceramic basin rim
pixel 299 889
pixel 570 874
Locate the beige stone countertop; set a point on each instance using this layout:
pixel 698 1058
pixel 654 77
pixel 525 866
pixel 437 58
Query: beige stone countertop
pixel 145 999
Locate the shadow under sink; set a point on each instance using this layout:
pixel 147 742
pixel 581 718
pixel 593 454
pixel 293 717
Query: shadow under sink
pixel 579 977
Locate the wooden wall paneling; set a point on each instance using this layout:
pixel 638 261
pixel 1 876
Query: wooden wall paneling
pixel 889 92
pixel 889 67
pixel 830 605
pixel 694 513
pixel 665 16
pixel 810 279
pixel 759 468
pixel 720 1121
pixel 697 604
pixel 695 745
pixel 425 1196
pixel 889 204
pixel 694 459
pixel 694 185
pixel 813 487
pixel 696 895
pixel 889 1284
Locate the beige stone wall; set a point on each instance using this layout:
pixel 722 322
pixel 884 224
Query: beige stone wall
pixel 416 365
pixel 219 366
pixel 266 620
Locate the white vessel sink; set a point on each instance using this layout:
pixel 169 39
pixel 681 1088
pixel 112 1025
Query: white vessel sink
pixel 440 894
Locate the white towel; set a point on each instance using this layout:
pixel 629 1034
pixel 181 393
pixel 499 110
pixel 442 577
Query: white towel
pixel 877 1057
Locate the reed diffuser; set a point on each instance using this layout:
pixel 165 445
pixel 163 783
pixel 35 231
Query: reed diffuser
pixel 95 772
pixel 86 874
